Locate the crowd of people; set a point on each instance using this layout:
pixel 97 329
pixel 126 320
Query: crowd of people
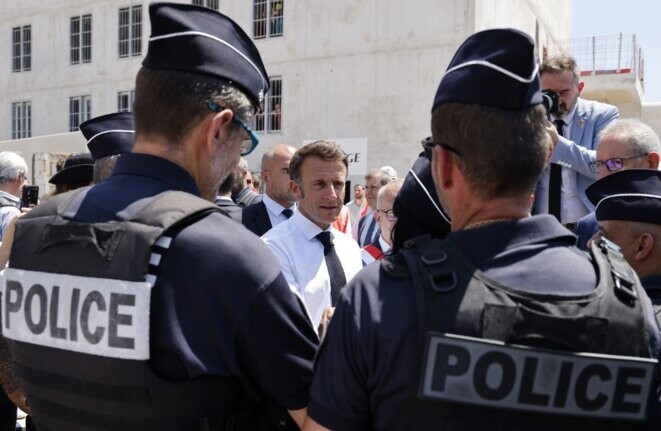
pixel 511 280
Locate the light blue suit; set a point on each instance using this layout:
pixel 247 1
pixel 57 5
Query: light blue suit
pixel 577 151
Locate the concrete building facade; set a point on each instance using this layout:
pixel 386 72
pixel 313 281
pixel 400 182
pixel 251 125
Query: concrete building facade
pixel 345 69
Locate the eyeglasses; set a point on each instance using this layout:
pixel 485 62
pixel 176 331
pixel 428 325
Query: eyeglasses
pixel 614 164
pixel 390 214
pixel 248 144
pixel 428 145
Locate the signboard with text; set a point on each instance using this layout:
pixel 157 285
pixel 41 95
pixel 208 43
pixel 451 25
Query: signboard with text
pixel 356 149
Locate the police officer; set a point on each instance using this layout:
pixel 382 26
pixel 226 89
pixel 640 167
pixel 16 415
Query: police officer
pixel 477 331
pixel 136 304
pixel 108 137
pixel 628 210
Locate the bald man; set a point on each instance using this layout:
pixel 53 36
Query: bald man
pixel 279 202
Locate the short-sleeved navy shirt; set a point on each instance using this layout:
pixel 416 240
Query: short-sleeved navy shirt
pixel 367 362
pixel 220 305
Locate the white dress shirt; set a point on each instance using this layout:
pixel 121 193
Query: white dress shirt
pixel 274 210
pixel 302 261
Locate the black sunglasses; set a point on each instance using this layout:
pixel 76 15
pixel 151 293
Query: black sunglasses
pixel 428 145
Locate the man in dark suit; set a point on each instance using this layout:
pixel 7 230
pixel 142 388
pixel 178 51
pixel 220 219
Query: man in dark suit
pixel 224 200
pixel 279 202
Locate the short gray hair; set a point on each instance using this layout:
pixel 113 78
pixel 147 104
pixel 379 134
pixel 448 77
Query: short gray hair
pixel 382 176
pixel 639 135
pixel 396 182
pixel 11 166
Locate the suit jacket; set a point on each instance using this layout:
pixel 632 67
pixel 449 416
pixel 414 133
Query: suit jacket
pixel 577 151
pixel 229 208
pixel 256 218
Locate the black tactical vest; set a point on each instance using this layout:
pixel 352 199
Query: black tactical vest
pixel 494 358
pixel 72 391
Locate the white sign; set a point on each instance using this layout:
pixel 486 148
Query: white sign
pixel 356 149
pixel 96 316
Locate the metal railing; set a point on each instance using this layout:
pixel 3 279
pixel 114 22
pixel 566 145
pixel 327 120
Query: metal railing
pixel 599 55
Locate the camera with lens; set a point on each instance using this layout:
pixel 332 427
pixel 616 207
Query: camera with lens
pixel 551 101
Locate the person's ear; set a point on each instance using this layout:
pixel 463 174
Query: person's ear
pixel 653 160
pixel 580 87
pixel 218 129
pixel 644 246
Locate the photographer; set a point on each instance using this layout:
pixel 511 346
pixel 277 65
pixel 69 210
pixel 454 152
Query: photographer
pixel 560 190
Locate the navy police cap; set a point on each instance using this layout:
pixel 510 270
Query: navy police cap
pixel 630 195
pixel 199 40
pixel 109 135
pixel 494 68
pixel 78 168
pixel 419 199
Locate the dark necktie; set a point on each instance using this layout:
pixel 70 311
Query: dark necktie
pixel 335 270
pixel 555 180
pixel 287 212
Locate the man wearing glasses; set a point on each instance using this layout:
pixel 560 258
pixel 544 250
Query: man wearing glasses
pixel 560 190
pixel 386 219
pixel 158 317
pixel 624 144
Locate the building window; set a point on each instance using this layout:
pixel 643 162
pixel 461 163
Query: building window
pixel 270 119
pixel 211 4
pixel 21 48
pixel 130 31
pixel 80 110
pixel 267 18
pixel 21 120
pixel 81 39
pixel 124 101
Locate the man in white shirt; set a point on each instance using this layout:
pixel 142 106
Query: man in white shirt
pixel 279 202
pixel 386 219
pixel 315 268
pixel 13 176
pixel 358 205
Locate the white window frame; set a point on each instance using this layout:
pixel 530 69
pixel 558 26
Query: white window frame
pixel 129 40
pixel 80 39
pixel 21 119
pixel 211 4
pixel 21 48
pixel 270 119
pixel 265 22
pixel 80 110
pixel 125 101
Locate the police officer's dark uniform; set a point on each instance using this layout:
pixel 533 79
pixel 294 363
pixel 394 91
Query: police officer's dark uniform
pixel 429 338
pixel 632 195
pixel 137 305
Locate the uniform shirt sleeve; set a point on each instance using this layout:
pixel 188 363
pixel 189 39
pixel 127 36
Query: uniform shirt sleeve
pixel 275 344
pixel 339 398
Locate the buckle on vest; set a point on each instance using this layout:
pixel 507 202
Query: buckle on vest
pixel 446 288
pixel 439 256
pixel 624 286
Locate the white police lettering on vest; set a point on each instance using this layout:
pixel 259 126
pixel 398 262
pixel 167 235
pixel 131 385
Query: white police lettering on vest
pixel 490 373
pixel 96 316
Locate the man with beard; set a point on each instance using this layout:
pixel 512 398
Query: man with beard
pixel 159 318
pixel 577 125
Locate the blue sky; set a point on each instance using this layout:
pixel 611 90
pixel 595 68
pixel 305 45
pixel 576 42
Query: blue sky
pixel 639 17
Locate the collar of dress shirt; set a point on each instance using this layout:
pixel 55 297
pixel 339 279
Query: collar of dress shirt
pixel 274 208
pixel 385 247
pixel 306 226
pixel 11 197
